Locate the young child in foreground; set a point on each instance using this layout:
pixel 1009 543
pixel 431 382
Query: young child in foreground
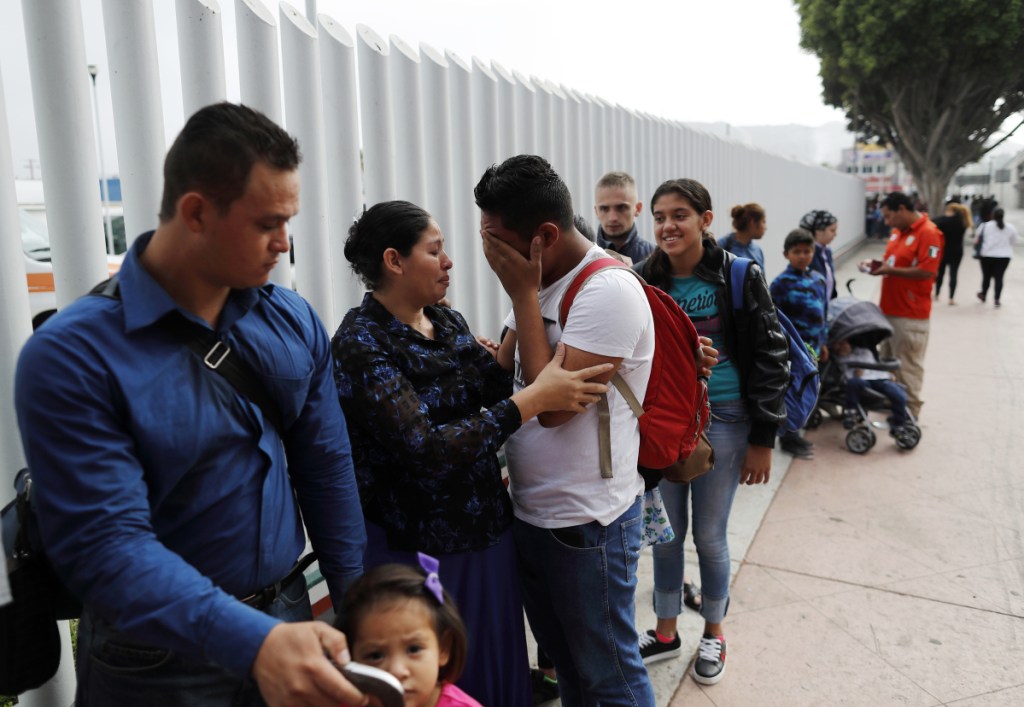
pixel 400 619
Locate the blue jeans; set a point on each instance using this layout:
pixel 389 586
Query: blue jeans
pixel 713 494
pixel 115 670
pixel 579 586
pixel 890 389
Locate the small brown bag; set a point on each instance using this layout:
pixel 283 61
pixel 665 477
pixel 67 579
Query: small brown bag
pixel 696 465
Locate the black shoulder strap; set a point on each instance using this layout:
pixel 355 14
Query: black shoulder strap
pixel 109 288
pixel 214 353
pixel 217 356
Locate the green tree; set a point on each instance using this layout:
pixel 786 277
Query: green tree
pixel 936 80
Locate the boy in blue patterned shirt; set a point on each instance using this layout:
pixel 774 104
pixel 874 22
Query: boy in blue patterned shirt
pixel 802 294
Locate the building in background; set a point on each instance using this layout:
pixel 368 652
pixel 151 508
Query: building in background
pixel 1001 176
pixel 879 167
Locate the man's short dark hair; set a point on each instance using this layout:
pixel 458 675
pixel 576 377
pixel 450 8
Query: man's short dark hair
pixel 524 192
pixel 215 151
pixel 896 199
pixel 798 236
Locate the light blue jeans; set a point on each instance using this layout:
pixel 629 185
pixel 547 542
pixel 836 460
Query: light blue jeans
pixel 579 587
pixel 712 495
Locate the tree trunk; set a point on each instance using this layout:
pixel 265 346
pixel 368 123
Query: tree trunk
pixel 933 187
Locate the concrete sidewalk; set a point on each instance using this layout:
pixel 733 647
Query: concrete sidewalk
pixel 893 578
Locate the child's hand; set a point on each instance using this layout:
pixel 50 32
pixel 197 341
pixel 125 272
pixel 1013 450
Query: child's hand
pixel 489 344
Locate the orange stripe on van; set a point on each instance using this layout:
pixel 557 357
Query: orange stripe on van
pixel 43 281
pixel 40 281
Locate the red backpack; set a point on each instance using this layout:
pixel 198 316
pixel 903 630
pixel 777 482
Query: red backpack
pixel 675 410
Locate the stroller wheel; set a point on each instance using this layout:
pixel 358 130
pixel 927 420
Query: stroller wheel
pixel 909 437
pixel 814 421
pixel 859 440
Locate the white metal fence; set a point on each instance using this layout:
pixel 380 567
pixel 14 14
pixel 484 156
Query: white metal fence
pixel 376 119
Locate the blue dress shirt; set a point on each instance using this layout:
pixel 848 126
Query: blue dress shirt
pixel 162 492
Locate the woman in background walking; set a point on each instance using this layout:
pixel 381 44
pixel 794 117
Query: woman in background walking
pixel 997 239
pixel 953 224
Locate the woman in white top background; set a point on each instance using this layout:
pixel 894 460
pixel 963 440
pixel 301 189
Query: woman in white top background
pixel 997 239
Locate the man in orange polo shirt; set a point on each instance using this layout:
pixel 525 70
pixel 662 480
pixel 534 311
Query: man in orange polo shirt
pixel 908 270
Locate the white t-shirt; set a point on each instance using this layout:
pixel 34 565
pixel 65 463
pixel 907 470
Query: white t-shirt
pixel 997 242
pixel 555 474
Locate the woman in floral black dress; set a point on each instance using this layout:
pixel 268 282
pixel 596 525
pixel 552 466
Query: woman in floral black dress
pixel 428 407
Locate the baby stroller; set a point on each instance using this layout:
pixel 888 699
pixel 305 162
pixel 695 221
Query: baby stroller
pixel 863 325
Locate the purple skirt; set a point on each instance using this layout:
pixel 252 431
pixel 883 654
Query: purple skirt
pixel 485 587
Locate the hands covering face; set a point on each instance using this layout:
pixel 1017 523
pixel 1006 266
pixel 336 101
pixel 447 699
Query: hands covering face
pixel 516 274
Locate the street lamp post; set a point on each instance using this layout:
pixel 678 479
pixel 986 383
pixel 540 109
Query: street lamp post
pixel 109 228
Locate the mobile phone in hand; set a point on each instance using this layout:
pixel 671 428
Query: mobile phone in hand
pixel 375 683
pixel 875 264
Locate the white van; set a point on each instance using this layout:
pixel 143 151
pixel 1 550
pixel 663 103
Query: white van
pixel 35 243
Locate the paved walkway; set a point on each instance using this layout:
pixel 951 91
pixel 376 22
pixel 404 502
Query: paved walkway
pixel 893 578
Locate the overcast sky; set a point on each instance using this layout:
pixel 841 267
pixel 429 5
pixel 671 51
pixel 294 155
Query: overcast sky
pixel 736 61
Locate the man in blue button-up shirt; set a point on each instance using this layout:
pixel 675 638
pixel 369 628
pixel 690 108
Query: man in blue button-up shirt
pixel 164 495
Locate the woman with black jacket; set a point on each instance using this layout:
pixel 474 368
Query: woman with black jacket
pixel 746 391
pixel 953 224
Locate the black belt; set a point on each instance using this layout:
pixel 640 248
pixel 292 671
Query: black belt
pixel 266 596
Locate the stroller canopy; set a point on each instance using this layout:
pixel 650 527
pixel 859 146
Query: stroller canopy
pixel 862 323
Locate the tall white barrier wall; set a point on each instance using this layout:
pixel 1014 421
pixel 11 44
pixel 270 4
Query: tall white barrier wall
pixel 387 121
pixel 138 110
pixel 407 104
pixel 440 150
pixel 304 108
pixel 377 124
pixel 201 52
pixel 259 79
pixel 344 173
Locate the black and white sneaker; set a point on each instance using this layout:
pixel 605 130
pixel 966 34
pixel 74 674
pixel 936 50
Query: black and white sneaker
pixel 710 664
pixel 652 650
